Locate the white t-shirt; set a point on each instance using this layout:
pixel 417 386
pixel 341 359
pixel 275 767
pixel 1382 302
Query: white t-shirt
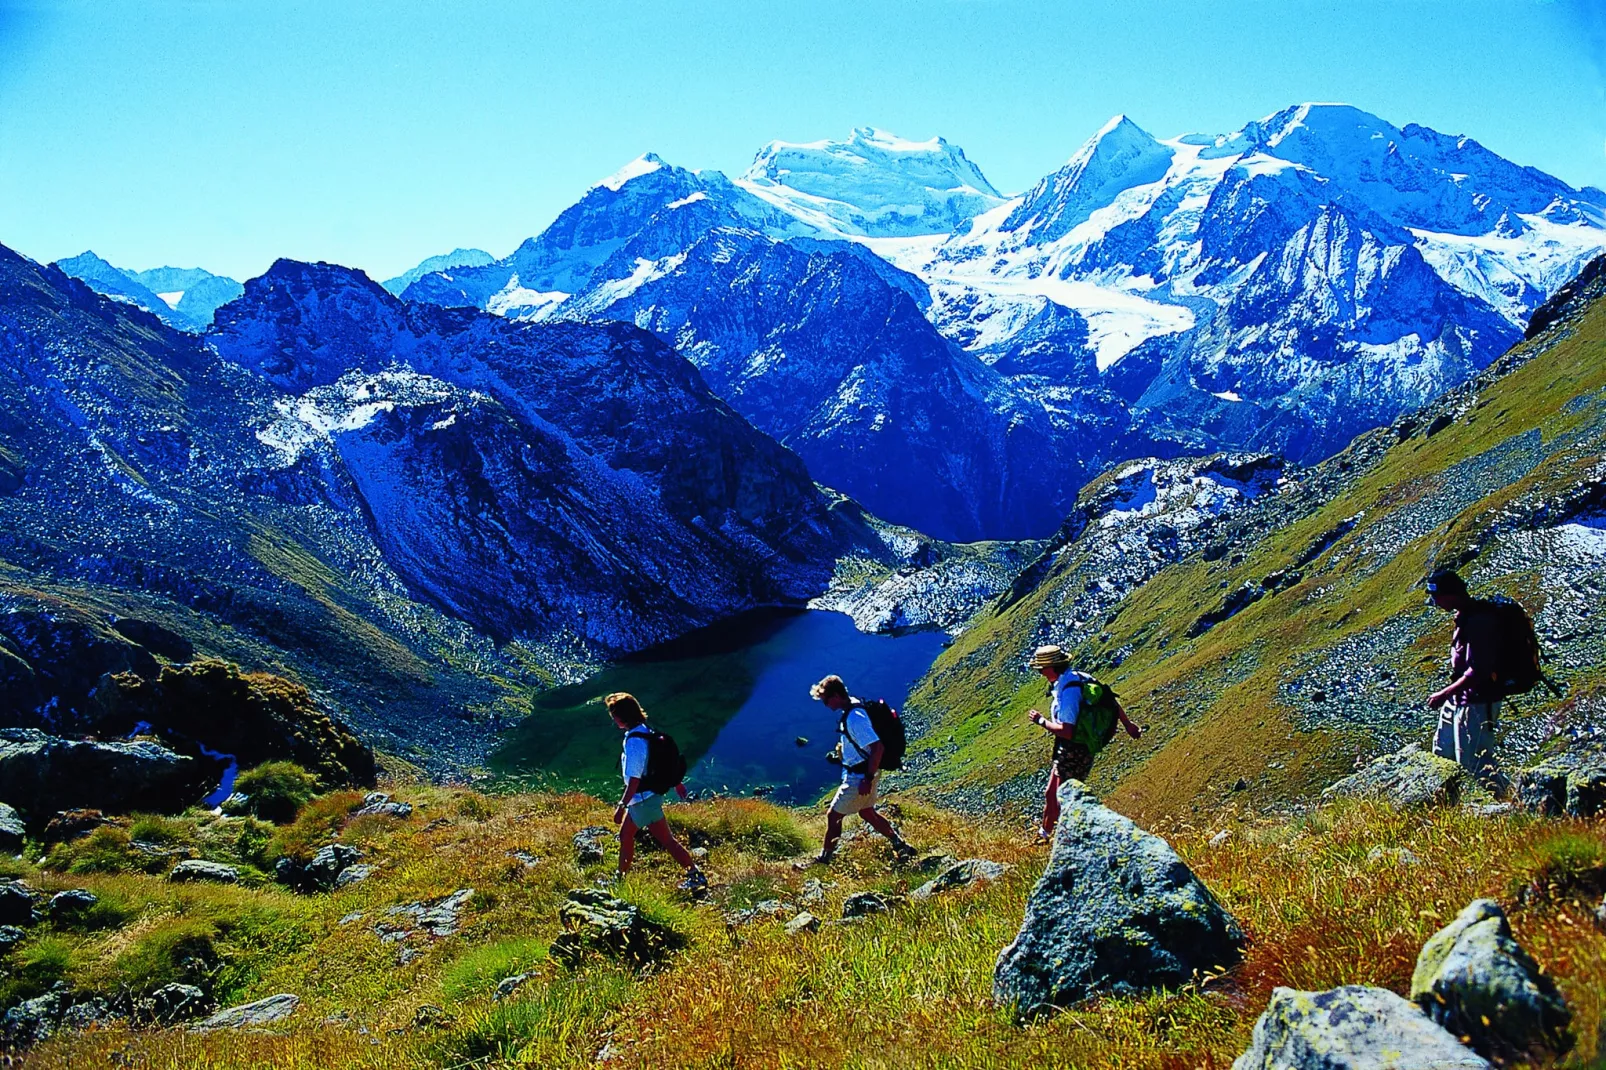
pixel 1067 702
pixel 863 733
pixel 634 760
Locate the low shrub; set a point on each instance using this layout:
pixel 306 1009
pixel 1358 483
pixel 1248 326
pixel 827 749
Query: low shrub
pixel 748 892
pixel 177 951
pixel 36 966
pixel 165 831
pixel 313 827
pixel 108 849
pixel 1567 862
pixel 276 791
pixel 766 830
pixel 478 970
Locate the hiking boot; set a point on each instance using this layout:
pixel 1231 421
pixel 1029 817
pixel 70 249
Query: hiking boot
pixel 903 850
pixel 821 859
pixel 694 882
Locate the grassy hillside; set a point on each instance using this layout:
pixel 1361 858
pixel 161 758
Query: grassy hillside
pixel 1346 894
pixel 1335 652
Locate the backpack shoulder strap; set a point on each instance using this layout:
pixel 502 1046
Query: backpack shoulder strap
pixel 842 728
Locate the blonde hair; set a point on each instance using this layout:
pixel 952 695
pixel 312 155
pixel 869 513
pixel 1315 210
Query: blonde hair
pixel 625 709
pixel 831 685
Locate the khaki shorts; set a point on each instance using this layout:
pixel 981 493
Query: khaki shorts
pixel 847 799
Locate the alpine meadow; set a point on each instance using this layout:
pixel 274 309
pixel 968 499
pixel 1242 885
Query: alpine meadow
pixel 822 611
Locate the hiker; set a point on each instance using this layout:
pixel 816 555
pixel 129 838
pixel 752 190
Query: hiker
pixel 1469 705
pixel 642 804
pixel 1077 738
pixel 863 754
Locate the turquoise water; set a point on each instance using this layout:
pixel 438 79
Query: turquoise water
pixel 734 696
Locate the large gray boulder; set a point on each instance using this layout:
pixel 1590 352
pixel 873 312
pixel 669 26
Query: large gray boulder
pixel 41 774
pixel 596 923
pixel 1408 777
pixel 1572 783
pixel 1116 912
pixel 1479 983
pixel 1351 1028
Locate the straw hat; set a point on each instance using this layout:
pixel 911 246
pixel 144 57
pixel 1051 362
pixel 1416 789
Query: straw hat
pixel 1049 657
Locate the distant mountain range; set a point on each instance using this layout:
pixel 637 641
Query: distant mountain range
pixel 1282 288
pixel 184 298
pixel 961 361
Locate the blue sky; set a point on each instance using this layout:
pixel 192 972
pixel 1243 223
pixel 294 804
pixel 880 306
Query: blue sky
pixel 224 134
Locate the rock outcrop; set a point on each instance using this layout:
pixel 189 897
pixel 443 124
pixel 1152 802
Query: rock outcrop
pixel 195 869
pixel 1474 979
pixel 596 923
pixel 41 774
pixel 966 874
pixel 11 830
pixel 1573 783
pixel 1408 777
pixel 1116 912
pixel 318 873
pixel 1351 1028
pixel 257 717
pixel 251 1015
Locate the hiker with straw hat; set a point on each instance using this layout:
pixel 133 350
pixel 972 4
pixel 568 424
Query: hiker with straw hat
pixel 1082 715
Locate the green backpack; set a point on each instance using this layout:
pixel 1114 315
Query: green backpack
pixel 1095 718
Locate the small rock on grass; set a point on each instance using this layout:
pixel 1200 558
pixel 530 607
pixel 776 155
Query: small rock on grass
pixel 1474 979
pixel 10 937
pixel 804 922
pixel 1351 1028
pixel 863 904
pixel 249 1015
pixel 353 875
pixel 590 845
pixel 509 985
pixel 598 923
pixel 1399 856
pixel 966 874
pixel 195 869
pixel 71 904
pixel 1600 915
pixel 178 1003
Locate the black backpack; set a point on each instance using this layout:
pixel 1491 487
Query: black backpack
pixel 666 766
pixel 888 728
pixel 1515 653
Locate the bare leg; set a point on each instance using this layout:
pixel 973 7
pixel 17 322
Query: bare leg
pixel 627 844
pixel 833 832
pixel 880 824
pixel 666 839
pixel 1051 802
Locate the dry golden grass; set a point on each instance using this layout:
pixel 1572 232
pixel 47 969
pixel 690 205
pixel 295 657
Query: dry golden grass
pixel 907 989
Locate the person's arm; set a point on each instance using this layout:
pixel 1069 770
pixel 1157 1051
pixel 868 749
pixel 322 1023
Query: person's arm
pixel 1126 722
pixel 1439 698
pixel 872 763
pixel 632 786
pixel 1053 727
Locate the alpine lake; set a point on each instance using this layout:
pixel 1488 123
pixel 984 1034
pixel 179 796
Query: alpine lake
pixel 735 697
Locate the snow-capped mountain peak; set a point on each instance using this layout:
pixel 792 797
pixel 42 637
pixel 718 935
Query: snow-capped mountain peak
pixel 1120 156
pixel 874 184
pixel 645 164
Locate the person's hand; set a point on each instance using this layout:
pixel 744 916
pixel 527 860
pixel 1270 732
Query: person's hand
pixel 1034 717
pixel 1437 699
pixel 1132 730
pixel 680 789
pixel 619 816
pixel 865 784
